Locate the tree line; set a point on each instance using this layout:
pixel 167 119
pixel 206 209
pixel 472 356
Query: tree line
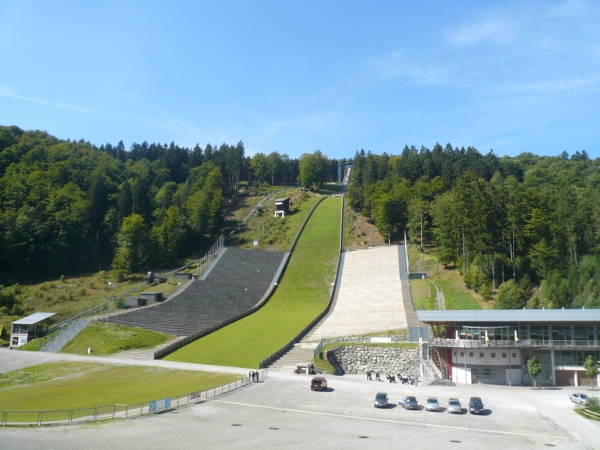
pixel 69 205
pixel 526 228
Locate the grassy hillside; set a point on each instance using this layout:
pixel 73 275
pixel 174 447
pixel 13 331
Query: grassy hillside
pixel 456 294
pixel 302 294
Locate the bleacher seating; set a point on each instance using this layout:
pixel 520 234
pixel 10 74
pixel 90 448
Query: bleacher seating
pixel 234 285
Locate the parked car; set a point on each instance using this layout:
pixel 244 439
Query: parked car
pixel 476 406
pixel 381 400
pixel 579 398
pixel 432 404
pixel 318 384
pixel 411 403
pixel 454 406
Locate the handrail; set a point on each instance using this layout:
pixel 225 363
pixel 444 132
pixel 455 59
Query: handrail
pixel 491 343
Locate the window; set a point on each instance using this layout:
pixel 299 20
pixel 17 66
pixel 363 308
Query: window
pixel 454 352
pixel 514 355
pixel 504 355
pixel 493 355
pixel 481 355
pixel 471 354
pixel 462 353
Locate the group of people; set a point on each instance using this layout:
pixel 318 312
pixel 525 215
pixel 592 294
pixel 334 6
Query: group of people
pixel 254 376
pixel 391 378
pixel 377 377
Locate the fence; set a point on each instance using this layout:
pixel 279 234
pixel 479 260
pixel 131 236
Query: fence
pixel 567 433
pixel 80 415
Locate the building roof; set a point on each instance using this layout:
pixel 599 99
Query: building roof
pixel 33 319
pixel 510 315
pixel 284 199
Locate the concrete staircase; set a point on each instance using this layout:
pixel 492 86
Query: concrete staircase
pixel 301 352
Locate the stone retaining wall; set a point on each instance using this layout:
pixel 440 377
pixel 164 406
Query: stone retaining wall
pixel 362 359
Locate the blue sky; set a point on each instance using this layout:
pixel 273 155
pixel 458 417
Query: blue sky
pixel 296 76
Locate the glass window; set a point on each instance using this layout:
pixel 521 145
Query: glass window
pixel 514 355
pixel 471 354
pixel 462 353
pixel 564 358
pixel 504 355
pixel 481 355
pixel 493 355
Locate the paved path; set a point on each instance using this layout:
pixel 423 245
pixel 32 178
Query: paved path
pixel 370 295
pixel 16 359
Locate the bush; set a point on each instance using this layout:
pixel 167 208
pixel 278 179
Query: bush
pixel 593 404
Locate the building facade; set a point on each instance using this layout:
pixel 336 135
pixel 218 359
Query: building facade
pixel 493 346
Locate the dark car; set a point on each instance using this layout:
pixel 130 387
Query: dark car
pixel 318 384
pixel 381 400
pixel 476 406
pixel 411 403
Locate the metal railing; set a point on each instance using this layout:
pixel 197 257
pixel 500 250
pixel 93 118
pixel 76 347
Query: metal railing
pixel 117 410
pixel 491 343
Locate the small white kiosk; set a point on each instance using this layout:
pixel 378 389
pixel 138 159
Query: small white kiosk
pixel 28 328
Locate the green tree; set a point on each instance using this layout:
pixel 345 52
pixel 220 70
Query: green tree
pixel 260 167
pixel 591 368
pixel 168 237
pixel 534 368
pixel 132 246
pixel 313 169
pixel 274 165
pixel 513 295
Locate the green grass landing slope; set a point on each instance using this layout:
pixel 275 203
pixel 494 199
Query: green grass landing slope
pixel 302 294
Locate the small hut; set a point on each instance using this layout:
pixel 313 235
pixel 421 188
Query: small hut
pixel 29 328
pixel 282 206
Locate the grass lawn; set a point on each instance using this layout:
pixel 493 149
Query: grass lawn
pixel 116 338
pixel 70 385
pixel 302 294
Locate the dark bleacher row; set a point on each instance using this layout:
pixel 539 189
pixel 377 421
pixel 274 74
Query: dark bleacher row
pixel 234 285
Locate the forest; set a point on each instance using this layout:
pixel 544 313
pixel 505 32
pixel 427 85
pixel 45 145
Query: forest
pixel 69 206
pixel 524 229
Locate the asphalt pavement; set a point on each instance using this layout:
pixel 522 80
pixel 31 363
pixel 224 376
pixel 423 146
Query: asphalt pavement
pixel 282 412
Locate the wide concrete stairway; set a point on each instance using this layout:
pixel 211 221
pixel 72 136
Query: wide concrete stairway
pixel 236 282
pixel 299 353
pixel 370 297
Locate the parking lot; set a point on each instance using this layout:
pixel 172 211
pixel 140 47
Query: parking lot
pixel 283 412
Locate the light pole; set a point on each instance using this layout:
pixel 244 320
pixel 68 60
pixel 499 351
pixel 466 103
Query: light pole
pixel 111 286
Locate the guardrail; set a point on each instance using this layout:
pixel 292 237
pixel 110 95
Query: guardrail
pixel 491 343
pixel 566 432
pixel 276 355
pixel 115 411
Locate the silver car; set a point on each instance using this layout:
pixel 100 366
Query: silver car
pixel 454 406
pixel 579 398
pixel 432 404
